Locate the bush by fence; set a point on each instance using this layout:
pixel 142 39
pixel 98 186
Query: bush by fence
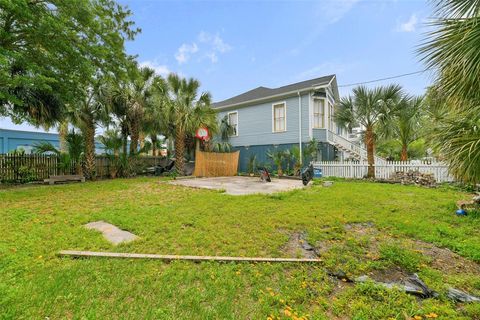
pixel 22 168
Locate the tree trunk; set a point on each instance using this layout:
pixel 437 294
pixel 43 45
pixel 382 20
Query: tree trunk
pixel 141 139
pixel 135 132
pixel 62 135
pixel 153 137
pixel 370 143
pixel 179 150
pixel 89 134
pixel 404 154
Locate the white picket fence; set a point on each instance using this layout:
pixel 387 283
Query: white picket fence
pixel 358 170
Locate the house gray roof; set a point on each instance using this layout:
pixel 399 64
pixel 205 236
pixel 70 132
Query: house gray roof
pixel 264 93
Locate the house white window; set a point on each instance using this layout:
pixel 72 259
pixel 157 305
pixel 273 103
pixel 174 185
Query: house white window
pixel 318 113
pixel 331 116
pixel 279 117
pixel 233 121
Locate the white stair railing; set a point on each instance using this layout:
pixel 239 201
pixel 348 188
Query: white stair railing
pixel 351 147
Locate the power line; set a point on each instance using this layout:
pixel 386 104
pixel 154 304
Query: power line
pixel 382 79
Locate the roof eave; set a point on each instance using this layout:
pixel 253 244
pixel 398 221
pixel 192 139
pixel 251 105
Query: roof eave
pixel 241 104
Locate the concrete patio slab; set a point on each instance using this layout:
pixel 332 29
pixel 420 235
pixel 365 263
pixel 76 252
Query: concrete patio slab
pixel 111 232
pixel 241 185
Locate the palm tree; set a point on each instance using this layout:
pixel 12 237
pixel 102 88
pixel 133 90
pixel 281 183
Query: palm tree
pixel 129 101
pixel 91 111
pixel 112 141
pixel 277 158
pixel 185 111
pixel 406 124
pixel 458 139
pixel 62 134
pixel 371 109
pixel 74 147
pixel 452 50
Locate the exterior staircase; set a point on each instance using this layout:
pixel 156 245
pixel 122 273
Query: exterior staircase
pixel 355 151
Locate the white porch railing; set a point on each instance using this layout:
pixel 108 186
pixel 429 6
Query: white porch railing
pixel 382 170
pixel 350 147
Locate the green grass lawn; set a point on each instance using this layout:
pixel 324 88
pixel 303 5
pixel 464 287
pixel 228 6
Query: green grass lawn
pixel 37 222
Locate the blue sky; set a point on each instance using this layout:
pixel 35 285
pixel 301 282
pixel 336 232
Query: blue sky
pixel 234 46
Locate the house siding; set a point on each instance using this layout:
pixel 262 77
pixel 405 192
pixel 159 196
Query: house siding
pixel 325 151
pixel 11 140
pixel 255 123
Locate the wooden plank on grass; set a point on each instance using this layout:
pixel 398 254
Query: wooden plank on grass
pixel 90 254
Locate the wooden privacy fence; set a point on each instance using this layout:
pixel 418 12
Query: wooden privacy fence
pixel 212 164
pixel 18 167
pixel 358 170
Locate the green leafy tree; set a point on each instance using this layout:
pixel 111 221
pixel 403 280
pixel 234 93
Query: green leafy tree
pixel 371 109
pixel 50 49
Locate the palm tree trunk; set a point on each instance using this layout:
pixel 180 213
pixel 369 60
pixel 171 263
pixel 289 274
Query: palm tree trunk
pixel 62 136
pixel 141 139
pixel 370 143
pixel 89 134
pixel 404 154
pixel 153 137
pixel 135 133
pixel 179 150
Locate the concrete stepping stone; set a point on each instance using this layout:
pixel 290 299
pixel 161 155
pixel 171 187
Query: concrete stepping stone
pixel 111 232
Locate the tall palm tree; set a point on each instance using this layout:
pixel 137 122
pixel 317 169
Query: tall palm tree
pixel 452 50
pixel 406 124
pixel 371 109
pixel 130 99
pixel 62 134
pixel 186 111
pixel 154 123
pixel 90 112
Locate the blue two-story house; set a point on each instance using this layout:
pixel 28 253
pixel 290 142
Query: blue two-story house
pixel 279 118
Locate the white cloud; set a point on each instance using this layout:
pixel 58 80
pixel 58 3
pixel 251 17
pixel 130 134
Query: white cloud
pixel 212 56
pixel 185 51
pixel 210 45
pixel 410 25
pixel 160 69
pixel 335 10
pixel 215 41
pixel 214 45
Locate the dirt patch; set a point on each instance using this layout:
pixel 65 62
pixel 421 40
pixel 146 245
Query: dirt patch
pixel 298 247
pixel 445 260
pixel 396 275
pixel 442 259
pixel 362 228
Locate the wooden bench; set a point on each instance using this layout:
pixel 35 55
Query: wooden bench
pixel 64 178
